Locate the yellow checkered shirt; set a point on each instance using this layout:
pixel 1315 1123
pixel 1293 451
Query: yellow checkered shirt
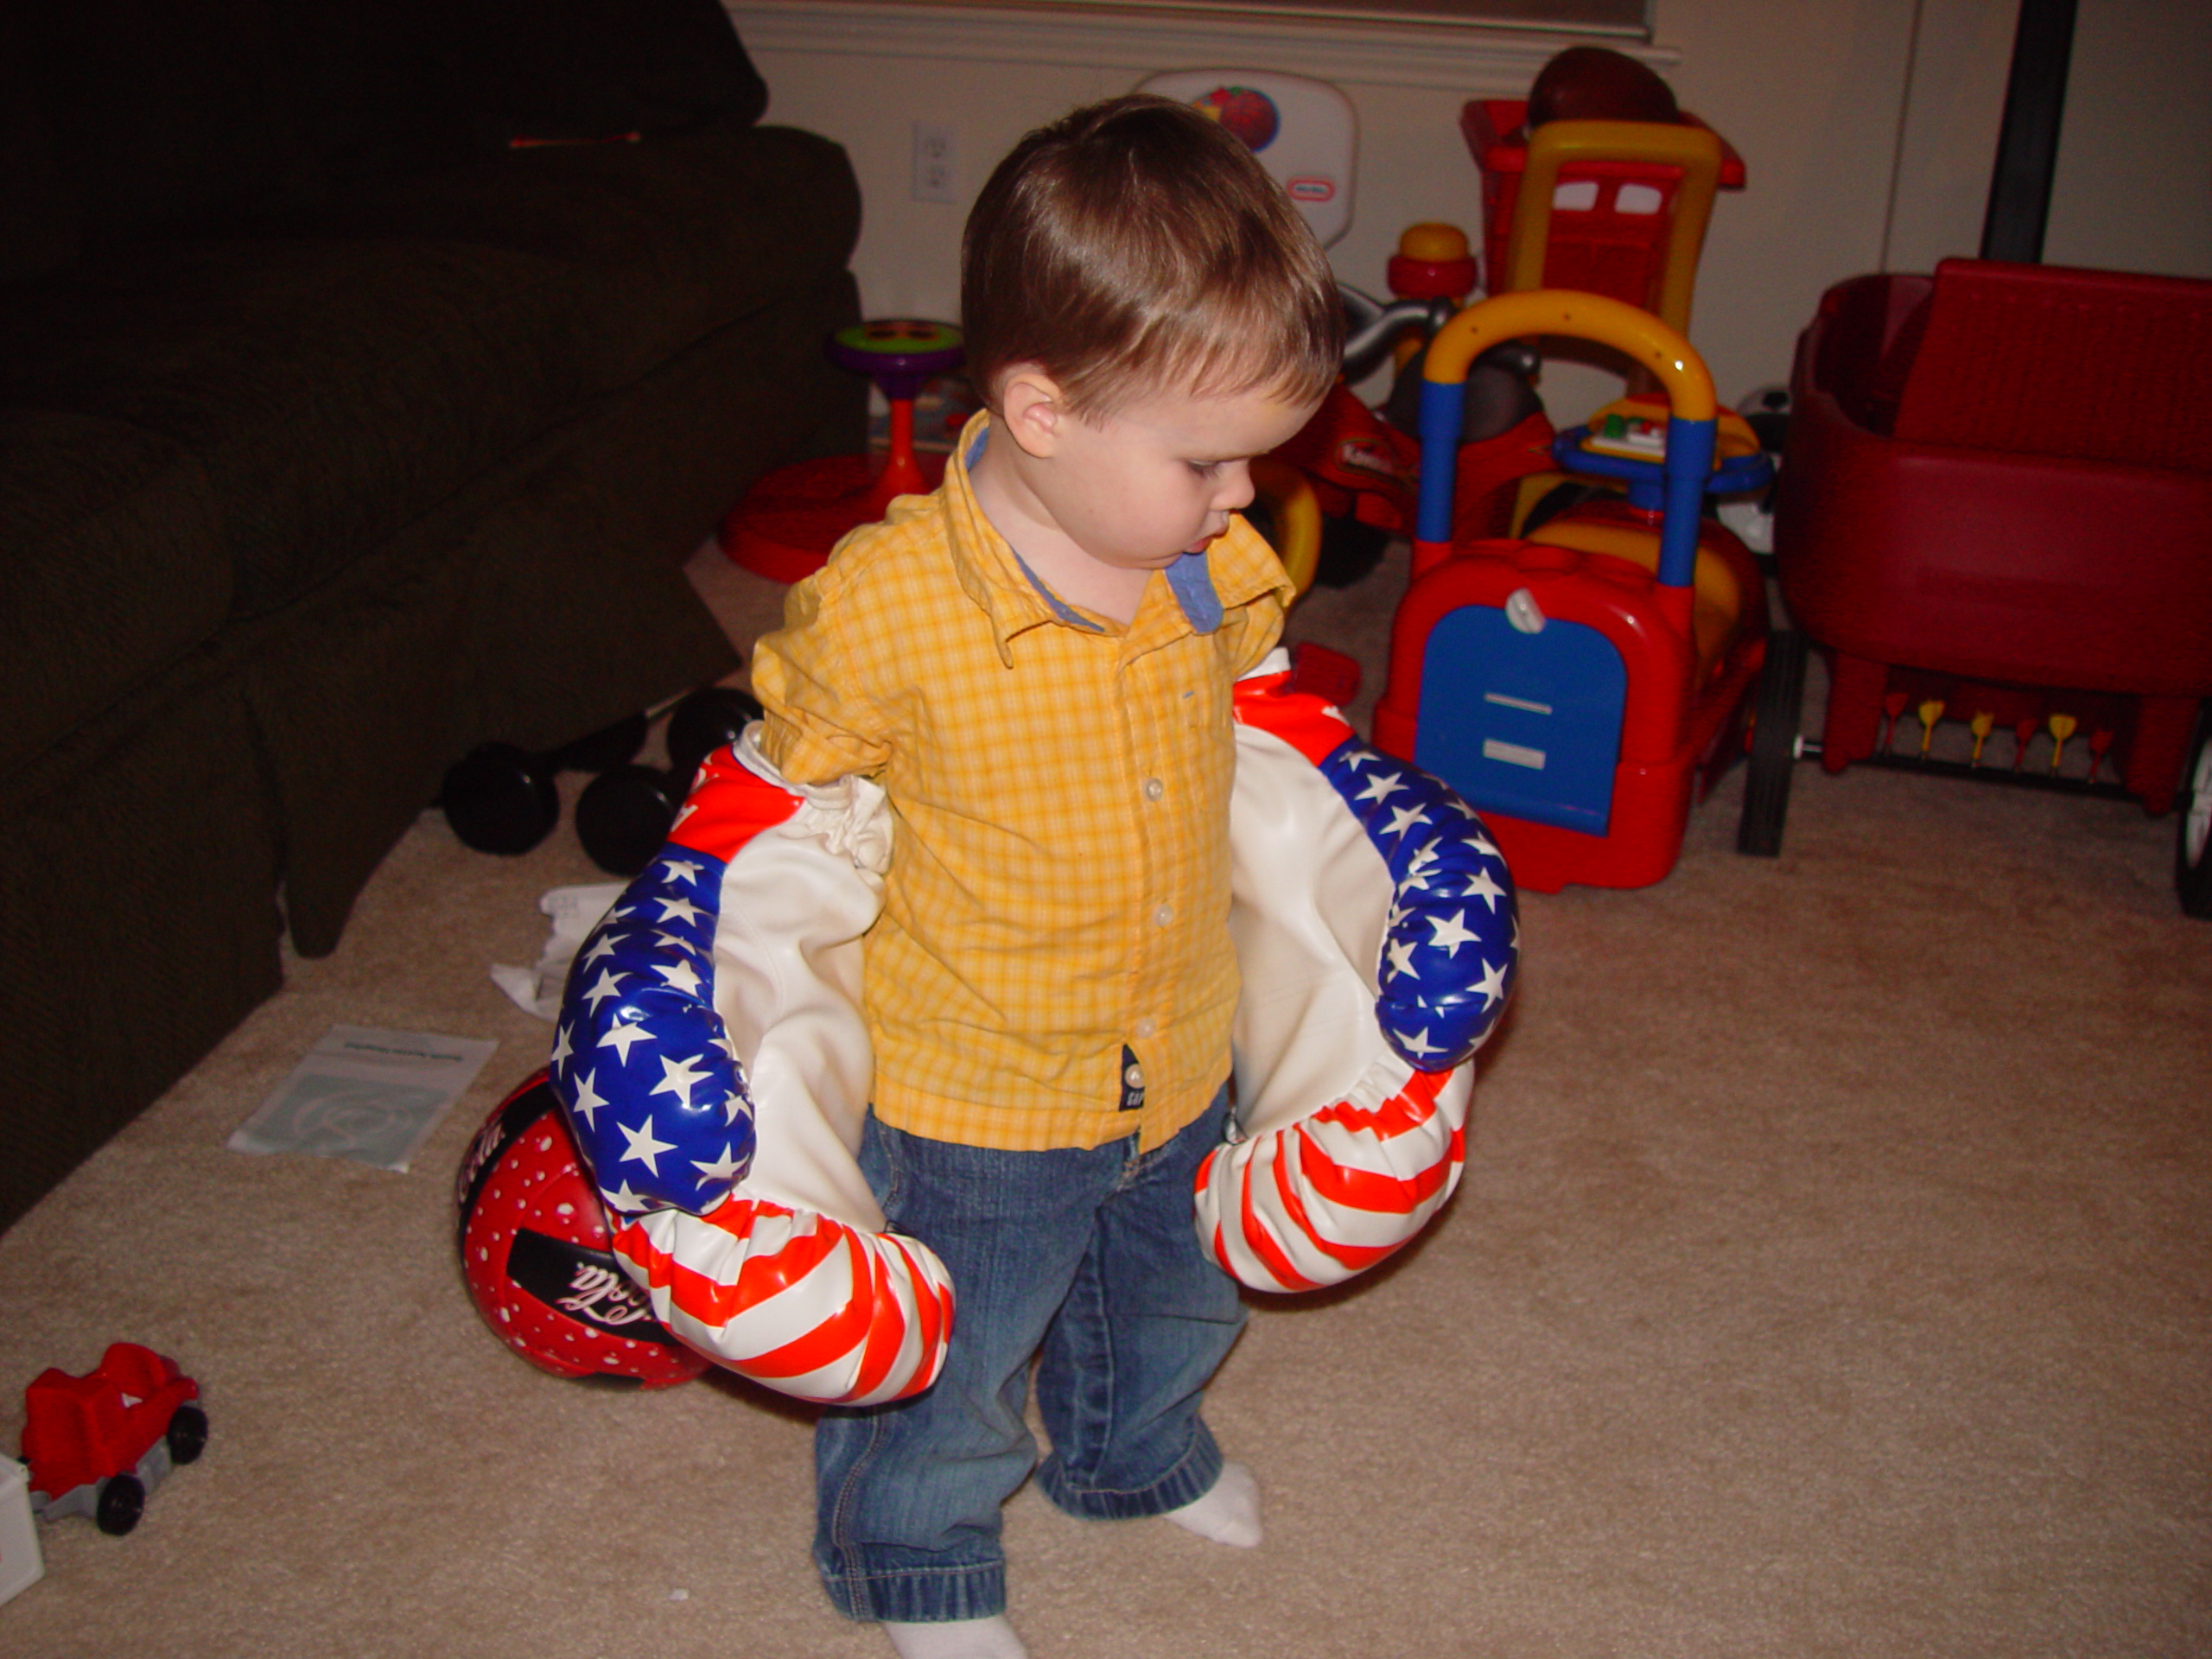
pixel 1059 872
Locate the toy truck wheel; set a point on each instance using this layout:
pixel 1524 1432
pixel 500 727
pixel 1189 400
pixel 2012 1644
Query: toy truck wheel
pixel 121 1501
pixel 1774 745
pixel 2193 847
pixel 188 1435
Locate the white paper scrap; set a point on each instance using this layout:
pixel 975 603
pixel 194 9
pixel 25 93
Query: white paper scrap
pixel 575 911
pixel 365 1093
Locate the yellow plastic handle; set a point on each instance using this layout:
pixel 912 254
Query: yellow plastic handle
pixel 1557 145
pixel 1295 511
pixel 1579 316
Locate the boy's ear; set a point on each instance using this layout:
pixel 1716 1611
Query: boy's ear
pixel 1031 409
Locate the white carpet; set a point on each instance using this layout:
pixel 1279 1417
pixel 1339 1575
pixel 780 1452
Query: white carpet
pixel 1832 1276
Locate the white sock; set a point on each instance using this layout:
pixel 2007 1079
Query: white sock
pixel 958 1638
pixel 1227 1511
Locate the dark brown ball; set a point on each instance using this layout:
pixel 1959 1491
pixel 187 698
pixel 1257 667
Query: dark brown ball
pixel 1595 83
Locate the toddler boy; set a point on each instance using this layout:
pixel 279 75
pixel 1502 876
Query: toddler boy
pixel 1035 662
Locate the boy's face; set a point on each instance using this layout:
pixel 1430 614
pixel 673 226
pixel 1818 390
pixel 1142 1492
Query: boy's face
pixel 1138 488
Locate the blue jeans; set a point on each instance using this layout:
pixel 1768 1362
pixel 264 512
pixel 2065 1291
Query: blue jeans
pixel 1088 1260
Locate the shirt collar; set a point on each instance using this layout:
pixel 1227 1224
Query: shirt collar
pixel 1237 567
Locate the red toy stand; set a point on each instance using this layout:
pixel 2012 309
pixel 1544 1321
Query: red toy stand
pixel 788 522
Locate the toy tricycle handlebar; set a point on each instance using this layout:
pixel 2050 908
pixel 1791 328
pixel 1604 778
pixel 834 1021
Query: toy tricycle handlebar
pixel 1643 337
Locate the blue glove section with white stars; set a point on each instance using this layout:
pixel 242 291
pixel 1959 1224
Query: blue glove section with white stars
pixel 642 1064
pixel 1452 944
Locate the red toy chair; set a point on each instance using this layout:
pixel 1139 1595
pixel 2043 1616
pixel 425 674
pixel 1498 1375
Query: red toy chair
pixel 1612 208
pixel 1650 188
pixel 1997 504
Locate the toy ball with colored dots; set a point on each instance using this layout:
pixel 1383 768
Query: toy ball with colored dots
pixel 536 1255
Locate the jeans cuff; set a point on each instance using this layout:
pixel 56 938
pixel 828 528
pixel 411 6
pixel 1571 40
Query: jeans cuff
pixel 1192 1479
pixel 926 1596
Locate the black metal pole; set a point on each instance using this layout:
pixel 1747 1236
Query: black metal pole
pixel 2027 145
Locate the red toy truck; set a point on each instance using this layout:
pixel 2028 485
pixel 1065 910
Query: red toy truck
pixel 98 1444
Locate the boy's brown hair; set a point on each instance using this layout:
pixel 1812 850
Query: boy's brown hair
pixel 1136 245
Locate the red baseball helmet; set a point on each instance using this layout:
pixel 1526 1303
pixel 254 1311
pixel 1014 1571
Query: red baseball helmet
pixel 536 1251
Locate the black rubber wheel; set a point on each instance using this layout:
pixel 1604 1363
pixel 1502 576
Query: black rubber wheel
pixel 188 1435
pixel 702 723
pixel 1350 548
pixel 623 817
pixel 121 1501
pixel 1557 500
pixel 500 799
pixel 1774 744
pixel 604 749
pixel 1262 519
pixel 2193 846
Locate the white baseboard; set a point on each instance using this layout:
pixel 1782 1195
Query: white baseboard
pixel 1476 61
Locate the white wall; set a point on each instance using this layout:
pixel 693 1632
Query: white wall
pixel 1828 101
pixel 2135 187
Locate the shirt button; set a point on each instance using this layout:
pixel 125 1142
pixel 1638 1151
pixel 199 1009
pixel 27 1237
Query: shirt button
pixel 1146 1028
pixel 1132 1075
pixel 1154 789
pixel 1164 915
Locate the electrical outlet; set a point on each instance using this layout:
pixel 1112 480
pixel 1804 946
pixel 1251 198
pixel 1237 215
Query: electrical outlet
pixel 936 162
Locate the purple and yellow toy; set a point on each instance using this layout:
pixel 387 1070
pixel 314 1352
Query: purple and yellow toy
pixel 788 522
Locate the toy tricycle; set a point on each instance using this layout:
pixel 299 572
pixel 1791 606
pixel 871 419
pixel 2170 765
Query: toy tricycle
pixel 1581 687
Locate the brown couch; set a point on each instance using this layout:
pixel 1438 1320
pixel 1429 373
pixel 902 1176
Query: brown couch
pixel 366 373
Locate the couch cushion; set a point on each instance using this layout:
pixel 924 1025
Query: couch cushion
pixel 181 116
pixel 112 566
pixel 404 86
pixel 375 88
pixel 337 382
pixel 564 69
pixel 38 211
pixel 164 116
pixel 672 238
pixel 331 391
